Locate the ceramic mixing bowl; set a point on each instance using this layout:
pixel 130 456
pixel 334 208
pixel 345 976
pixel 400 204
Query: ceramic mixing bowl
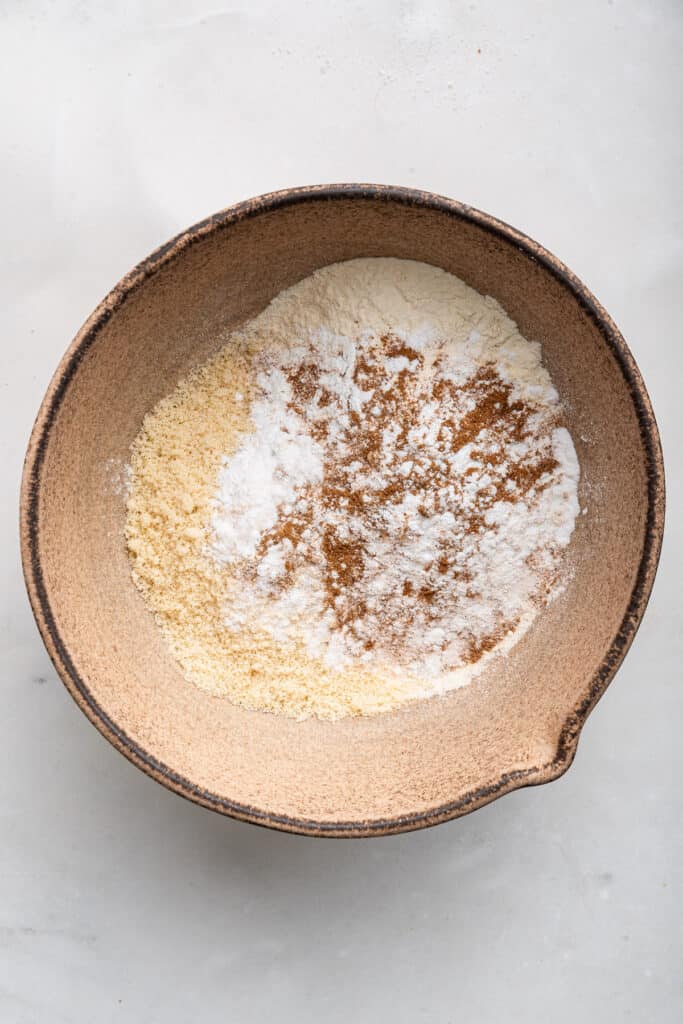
pixel 518 723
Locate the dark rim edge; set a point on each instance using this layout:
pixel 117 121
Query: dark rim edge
pixel 30 494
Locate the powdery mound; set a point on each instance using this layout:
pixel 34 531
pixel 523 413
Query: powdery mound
pixel 365 496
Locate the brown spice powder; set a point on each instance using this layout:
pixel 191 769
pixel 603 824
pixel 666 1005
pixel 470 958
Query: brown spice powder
pixel 491 416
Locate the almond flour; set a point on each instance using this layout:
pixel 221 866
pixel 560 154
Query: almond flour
pixel 359 501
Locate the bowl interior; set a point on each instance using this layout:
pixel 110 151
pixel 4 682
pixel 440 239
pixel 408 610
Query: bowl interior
pixel 516 723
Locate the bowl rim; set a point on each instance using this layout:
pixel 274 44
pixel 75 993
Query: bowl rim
pixel 86 337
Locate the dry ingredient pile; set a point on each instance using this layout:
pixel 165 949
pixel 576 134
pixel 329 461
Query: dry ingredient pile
pixel 360 500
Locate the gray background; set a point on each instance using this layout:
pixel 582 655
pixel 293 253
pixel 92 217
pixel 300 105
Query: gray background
pixel 123 123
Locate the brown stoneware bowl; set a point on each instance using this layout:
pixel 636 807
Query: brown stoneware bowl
pixel 518 724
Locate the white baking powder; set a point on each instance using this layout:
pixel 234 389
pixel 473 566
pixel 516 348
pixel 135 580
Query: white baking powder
pixel 407 489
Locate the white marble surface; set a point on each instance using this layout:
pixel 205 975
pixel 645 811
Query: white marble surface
pixel 123 123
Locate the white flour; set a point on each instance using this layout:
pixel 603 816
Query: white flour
pixel 408 488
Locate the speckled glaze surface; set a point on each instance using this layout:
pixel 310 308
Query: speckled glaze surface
pixel 519 724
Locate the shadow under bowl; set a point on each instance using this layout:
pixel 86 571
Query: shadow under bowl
pixel 518 724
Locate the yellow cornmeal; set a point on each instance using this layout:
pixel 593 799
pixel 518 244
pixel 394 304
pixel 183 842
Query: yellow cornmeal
pixel 175 462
